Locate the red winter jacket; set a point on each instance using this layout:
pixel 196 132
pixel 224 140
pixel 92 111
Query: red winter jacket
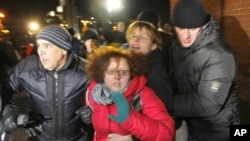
pixel 152 124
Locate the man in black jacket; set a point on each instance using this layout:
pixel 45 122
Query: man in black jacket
pixel 203 68
pixel 55 82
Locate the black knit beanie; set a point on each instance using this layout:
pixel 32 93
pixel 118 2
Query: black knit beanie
pixel 56 35
pixel 189 14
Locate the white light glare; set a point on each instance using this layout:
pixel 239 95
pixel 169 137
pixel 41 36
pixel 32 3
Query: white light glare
pixel 113 5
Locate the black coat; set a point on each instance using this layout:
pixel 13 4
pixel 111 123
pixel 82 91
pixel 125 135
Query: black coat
pixel 55 95
pixel 205 93
pixel 158 78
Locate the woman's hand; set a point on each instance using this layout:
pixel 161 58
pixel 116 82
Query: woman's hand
pixel 118 137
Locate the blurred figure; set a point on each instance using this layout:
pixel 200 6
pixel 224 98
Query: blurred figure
pixel 119 33
pixel 8 112
pixel 77 46
pixel 56 83
pixel 117 77
pixel 168 28
pixel 9 54
pixel 91 41
pixel 167 38
pixel 203 68
pixel 31 49
pixel 100 30
pixel 108 33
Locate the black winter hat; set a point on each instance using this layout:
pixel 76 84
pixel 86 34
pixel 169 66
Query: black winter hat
pixel 189 14
pixel 57 35
pixel 90 34
pixel 149 16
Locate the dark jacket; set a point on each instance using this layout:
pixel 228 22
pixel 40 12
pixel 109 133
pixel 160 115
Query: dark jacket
pixel 158 78
pixel 167 40
pixel 55 95
pixel 205 93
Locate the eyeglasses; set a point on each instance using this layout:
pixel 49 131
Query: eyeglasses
pixel 141 37
pixel 121 72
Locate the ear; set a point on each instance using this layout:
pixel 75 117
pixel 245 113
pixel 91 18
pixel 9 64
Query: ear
pixel 64 52
pixel 154 47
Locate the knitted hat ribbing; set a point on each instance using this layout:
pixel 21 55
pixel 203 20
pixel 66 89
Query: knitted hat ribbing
pixel 57 36
pixel 189 14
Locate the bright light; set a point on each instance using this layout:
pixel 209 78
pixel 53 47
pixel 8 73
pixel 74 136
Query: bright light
pixel 2 15
pixel 52 13
pixel 113 5
pixel 5 31
pixel 33 26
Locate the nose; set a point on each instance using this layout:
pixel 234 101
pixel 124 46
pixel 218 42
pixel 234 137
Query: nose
pixel 187 33
pixel 135 41
pixel 117 75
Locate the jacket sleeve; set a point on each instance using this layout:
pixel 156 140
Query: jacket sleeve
pixel 216 80
pixel 154 123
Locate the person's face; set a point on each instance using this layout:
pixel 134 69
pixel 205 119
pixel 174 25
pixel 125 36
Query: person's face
pixel 187 36
pixel 140 42
pixel 51 56
pixel 120 26
pixel 117 75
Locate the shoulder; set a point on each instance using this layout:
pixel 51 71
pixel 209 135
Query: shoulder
pixel 148 94
pixel 28 63
pixel 218 47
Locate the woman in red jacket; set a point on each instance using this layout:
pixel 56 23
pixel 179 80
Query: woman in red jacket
pixel 117 79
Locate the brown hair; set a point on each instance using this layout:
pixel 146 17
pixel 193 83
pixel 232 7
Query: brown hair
pixel 151 31
pixel 99 60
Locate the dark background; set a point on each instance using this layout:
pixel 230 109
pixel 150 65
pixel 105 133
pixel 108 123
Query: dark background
pixel 36 8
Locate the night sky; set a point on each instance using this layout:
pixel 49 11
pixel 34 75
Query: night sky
pixel 24 8
pixel 131 7
pixel 20 12
pixel 87 8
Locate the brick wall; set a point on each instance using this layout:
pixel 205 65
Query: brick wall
pixel 234 18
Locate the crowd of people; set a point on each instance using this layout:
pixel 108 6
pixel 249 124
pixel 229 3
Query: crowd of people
pixel 140 82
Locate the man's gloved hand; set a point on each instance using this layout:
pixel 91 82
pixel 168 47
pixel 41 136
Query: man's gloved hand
pixel 122 107
pixel 33 131
pixel 31 124
pixel 9 119
pixel 85 113
pixel 2 128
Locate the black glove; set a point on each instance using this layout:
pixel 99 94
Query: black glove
pixel 85 113
pixel 33 131
pixel 9 118
pixel 31 126
pixel 2 128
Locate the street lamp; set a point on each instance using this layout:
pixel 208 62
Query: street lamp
pixel 114 9
pixel 33 27
pixel 113 5
pixel 2 15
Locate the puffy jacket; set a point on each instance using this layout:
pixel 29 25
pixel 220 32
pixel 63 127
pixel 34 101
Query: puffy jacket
pixel 204 75
pixel 55 95
pixel 153 124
